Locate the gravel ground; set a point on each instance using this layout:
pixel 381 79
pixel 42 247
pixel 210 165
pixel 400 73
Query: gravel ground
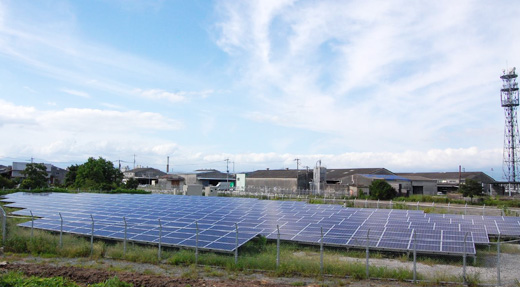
pixel 509 271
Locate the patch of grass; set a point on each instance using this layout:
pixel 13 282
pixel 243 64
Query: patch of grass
pixel 216 273
pixel 113 282
pixel 17 279
pixel 192 273
pixel 473 279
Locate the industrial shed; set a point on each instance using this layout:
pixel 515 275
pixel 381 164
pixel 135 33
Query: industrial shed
pixel 283 179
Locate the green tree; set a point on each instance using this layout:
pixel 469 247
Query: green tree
pixel 98 174
pixel 35 176
pixel 131 183
pixel 471 188
pixel 70 177
pixel 6 183
pixel 380 189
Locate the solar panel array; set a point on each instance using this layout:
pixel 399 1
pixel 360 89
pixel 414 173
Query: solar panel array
pixel 216 219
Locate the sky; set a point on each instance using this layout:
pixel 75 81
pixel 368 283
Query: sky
pixel 404 85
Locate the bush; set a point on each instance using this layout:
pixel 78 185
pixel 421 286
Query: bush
pixel 380 189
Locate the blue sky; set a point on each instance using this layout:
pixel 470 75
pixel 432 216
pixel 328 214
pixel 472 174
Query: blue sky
pixel 410 86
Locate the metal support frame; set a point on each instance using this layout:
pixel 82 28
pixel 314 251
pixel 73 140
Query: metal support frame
pixel 464 278
pixel 61 230
pixel 32 224
pixel 414 256
pixel 499 282
pixel 368 254
pixel 321 253
pixel 236 244
pixel 4 225
pixel 278 247
pixel 160 239
pixel 92 237
pixel 125 239
pixel 196 243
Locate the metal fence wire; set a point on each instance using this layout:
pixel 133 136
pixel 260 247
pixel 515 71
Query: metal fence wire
pixel 366 240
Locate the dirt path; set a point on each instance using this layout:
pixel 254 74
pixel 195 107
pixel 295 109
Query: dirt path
pixel 89 271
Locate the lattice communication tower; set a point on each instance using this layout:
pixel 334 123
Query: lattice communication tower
pixel 510 102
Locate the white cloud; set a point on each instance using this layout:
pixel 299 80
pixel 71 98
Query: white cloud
pixel 76 133
pixel 76 93
pixel 382 75
pixel 173 97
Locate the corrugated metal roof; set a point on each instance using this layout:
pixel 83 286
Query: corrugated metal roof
pixel 276 173
pixel 388 177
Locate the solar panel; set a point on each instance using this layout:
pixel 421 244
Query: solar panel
pixel 217 218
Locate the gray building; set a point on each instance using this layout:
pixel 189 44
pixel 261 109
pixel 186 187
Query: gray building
pixel 144 175
pixel 55 175
pixel 450 181
pixel 282 179
pixel 209 177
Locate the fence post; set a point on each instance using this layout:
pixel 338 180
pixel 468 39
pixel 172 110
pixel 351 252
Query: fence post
pixel 236 244
pixel 498 261
pixel 414 256
pixel 124 241
pixel 197 243
pixel 61 230
pixel 464 260
pixel 160 238
pixel 366 202
pixel 377 203
pixel 417 205
pixel 483 210
pixel 278 247
pixel 321 253
pixel 465 208
pixel 4 225
pixel 368 252
pixel 449 207
pixel 92 237
pixel 32 224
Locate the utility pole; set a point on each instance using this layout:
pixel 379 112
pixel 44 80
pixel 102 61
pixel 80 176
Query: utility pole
pixel 227 173
pixel 317 176
pixel 134 160
pixel 168 164
pixel 297 171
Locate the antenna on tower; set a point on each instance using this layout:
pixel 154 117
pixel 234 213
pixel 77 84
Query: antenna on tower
pixel 510 101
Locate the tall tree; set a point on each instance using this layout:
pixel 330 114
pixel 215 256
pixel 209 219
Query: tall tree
pixel 6 183
pixel 35 176
pixel 70 177
pixel 471 188
pixel 98 174
pixel 380 189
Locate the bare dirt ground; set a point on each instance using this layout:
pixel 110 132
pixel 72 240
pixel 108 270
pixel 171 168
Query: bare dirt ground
pixel 86 272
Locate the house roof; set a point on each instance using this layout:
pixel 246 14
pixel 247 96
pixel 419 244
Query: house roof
pixel 275 173
pixel 413 177
pixel 214 175
pixel 387 177
pixel 172 177
pixel 146 172
pixel 338 174
pixel 439 176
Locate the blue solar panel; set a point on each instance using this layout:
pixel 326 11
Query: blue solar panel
pixel 216 217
